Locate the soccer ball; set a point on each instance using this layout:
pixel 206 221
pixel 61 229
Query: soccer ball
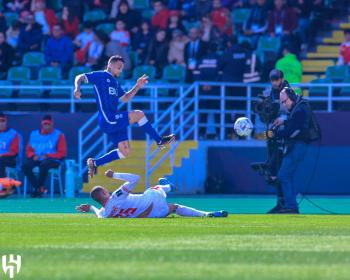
pixel 243 126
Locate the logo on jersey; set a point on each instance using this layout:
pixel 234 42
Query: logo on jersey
pixel 112 91
pixel 108 80
pixel 117 117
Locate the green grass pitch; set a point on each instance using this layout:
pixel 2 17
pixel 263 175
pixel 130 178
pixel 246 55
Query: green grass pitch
pixel 79 246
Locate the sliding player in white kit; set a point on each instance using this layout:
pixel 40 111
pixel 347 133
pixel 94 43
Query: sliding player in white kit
pixel 150 204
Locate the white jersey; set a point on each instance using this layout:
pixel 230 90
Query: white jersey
pixel 123 204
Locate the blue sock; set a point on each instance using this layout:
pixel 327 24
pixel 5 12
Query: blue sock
pixel 148 128
pixel 110 156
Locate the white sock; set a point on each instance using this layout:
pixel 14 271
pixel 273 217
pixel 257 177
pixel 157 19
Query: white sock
pixel 166 188
pixel 126 177
pixel 189 212
pixel 142 121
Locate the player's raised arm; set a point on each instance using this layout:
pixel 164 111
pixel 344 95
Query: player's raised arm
pixel 77 84
pixel 131 180
pixel 131 93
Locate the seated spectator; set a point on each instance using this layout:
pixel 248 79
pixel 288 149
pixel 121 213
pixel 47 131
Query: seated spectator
pixel 317 19
pixel 114 48
pixel 12 34
pixel 115 7
pixel 174 24
pixel 210 33
pixel 221 18
pixel 17 6
pixel 84 37
pixel 77 7
pixel 203 8
pixel 233 62
pixel 131 18
pixel 9 146
pixel 303 9
pixel 120 34
pixel 141 41
pixel 30 36
pixel 188 9
pixel 6 56
pixel 290 65
pixel 344 53
pixel 70 22
pixel 95 51
pixel 59 50
pixel 46 149
pixel 257 21
pixel 3 23
pixel 158 51
pixel 282 20
pixel 161 16
pixel 177 47
pixel 44 16
pixel 195 49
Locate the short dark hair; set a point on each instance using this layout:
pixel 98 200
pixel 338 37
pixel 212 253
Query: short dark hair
pixel 2 115
pixel 276 74
pixel 115 58
pixel 96 192
pixel 47 118
pixel 88 24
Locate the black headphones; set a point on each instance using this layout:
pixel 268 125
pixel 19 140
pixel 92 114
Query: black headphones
pixel 290 93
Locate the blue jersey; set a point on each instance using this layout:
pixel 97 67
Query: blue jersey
pixel 107 93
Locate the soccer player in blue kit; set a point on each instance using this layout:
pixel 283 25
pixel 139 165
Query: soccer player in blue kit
pixel 108 94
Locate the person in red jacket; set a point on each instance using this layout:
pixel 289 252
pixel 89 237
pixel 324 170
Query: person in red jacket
pixel 161 16
pixel 9 146
pixel 44 16
pixel 282 20
pixel 70 22
pixel 221 18
pixel 344 52
pixel 46 149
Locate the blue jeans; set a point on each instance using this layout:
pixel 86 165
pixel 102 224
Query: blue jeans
pixel 287 172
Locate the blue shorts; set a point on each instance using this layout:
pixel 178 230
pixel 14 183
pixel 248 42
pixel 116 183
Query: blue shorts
pixel 118 136
pixel 120 133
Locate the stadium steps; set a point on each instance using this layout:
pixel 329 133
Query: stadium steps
pixel 135 163
pixel 326 53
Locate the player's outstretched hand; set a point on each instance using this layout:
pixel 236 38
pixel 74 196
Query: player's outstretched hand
pixel 109 173
pixel 83 208
pixel 142 80
pixel 77 94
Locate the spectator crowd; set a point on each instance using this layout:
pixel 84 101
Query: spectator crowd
pixel 201 35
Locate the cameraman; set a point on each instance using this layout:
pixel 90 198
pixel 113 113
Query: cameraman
pixel 274 154
pixel 268 110
pixel 296 132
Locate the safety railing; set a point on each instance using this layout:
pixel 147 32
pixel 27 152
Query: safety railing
pixel 92 142
pixel 189 105
pixel 181 118
pixel 181 112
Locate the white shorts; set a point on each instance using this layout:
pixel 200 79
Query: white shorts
pixel 157 196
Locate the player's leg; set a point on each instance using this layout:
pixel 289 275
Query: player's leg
pixel 139 117
pixel 120 140
pixel 185 211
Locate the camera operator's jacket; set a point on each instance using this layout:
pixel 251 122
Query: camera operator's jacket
pixel 298 124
